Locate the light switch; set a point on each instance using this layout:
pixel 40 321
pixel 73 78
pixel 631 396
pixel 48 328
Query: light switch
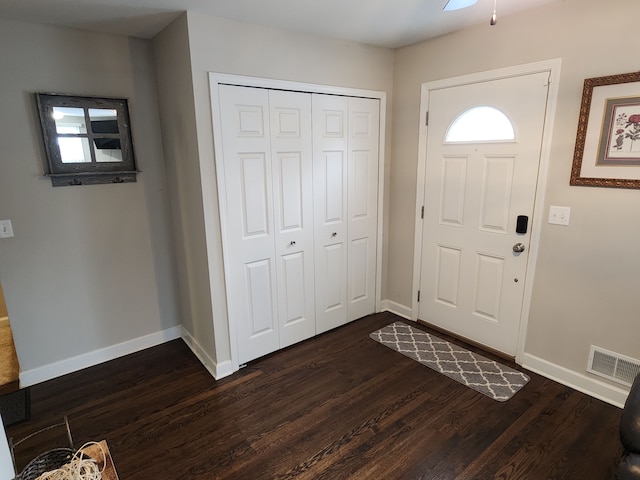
pixel 559 215
pixel 6 230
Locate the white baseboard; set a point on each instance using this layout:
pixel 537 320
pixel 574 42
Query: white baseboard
pixel 73 364
pixel 398 309
pixel 218 371
pixel 578 381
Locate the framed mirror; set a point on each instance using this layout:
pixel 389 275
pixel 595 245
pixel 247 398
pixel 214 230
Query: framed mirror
pixel 87 139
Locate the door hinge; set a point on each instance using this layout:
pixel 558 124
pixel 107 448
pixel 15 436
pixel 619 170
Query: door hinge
pixel 426 118
pixel 422 212
pixel 418 295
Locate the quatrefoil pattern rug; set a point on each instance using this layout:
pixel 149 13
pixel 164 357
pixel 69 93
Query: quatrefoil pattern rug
pixel 475 371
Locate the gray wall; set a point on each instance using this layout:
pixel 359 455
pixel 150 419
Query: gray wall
pixel 91 266
pixel 180 142
pixel 587 283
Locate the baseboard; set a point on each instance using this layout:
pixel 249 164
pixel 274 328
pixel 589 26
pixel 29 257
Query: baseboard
pixel 578 381
pixel 398 309
pixel 218 371
pixel 73 364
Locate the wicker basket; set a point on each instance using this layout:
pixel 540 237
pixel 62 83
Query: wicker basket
pixel 47 461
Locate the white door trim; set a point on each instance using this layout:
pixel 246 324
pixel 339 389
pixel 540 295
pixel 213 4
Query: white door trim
pixel 216 79
pixel 553 67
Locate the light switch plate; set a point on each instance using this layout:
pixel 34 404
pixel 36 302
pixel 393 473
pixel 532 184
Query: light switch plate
pixel 6 229
pixel 559 215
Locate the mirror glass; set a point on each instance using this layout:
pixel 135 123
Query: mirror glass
pixel 74 149
pixel 69 120
pixel 108 150
pixel 103 120
pixel 103 123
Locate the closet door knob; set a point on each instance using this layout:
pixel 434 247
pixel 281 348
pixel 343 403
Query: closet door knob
pixel 292 242
pixel 334 234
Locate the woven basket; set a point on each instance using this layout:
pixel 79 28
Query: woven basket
pixel 45 462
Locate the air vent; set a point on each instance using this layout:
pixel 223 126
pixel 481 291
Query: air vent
pixel 613 366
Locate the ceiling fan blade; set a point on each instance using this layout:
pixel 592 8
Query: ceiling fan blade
pixel 458 4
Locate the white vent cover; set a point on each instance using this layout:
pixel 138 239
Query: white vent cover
pixel 613 366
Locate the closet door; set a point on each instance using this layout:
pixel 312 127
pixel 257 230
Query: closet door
pixel 346 143
pixel 330 170
pixel 363 155
pixel 266 138
pixel 293 213
pixel 300 181
pixel 252 283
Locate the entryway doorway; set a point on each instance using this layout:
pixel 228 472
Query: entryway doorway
pixel 482 169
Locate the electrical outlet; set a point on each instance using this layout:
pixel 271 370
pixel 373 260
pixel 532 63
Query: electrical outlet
pixel 6 230
pixel 559 215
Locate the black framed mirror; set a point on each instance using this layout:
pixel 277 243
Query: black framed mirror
pixel 87 139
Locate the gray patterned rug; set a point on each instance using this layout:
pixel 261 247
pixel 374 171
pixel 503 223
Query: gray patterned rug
pixel 475 371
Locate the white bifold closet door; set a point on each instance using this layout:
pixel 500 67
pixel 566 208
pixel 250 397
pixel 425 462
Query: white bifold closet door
pixel 269 227
pixel 345 175
pixel 301 183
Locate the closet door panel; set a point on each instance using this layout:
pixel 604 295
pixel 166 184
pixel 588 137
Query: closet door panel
pixel 250 226
pixel 254 195
pixel 259 292
pixel 363 151
pixel 292 217
pixel 292 176
pixel 294 304
pixel 330 170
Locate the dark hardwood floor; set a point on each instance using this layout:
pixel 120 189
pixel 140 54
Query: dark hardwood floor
pixel 339 406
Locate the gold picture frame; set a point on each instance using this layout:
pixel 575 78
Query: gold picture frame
pixel 607 151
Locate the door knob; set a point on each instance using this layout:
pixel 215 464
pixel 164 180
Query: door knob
pixel 334 234
pixel 292 243
pixel 518 247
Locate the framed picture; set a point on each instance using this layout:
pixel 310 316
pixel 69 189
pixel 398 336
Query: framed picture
pixel 607 152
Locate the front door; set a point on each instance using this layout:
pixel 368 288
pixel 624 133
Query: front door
pixel 483 154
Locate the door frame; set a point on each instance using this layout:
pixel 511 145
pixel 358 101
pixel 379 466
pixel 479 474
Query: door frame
pixel 217 79
pixel 553 68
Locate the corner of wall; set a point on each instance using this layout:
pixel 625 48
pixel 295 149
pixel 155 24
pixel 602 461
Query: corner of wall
pixel 397 308
pixel 217 370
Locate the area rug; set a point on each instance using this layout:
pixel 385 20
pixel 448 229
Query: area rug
pixel 475 371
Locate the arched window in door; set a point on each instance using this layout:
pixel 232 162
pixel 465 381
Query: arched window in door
pixel 481 124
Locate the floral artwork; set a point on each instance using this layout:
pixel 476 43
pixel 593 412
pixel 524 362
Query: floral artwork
pixel 621 130
pixel 607 152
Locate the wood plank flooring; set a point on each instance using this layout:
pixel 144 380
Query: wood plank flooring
pixel 339 406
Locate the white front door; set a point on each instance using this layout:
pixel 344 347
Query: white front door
pixel 472 281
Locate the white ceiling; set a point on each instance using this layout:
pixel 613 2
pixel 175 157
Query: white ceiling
pixel 386 23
